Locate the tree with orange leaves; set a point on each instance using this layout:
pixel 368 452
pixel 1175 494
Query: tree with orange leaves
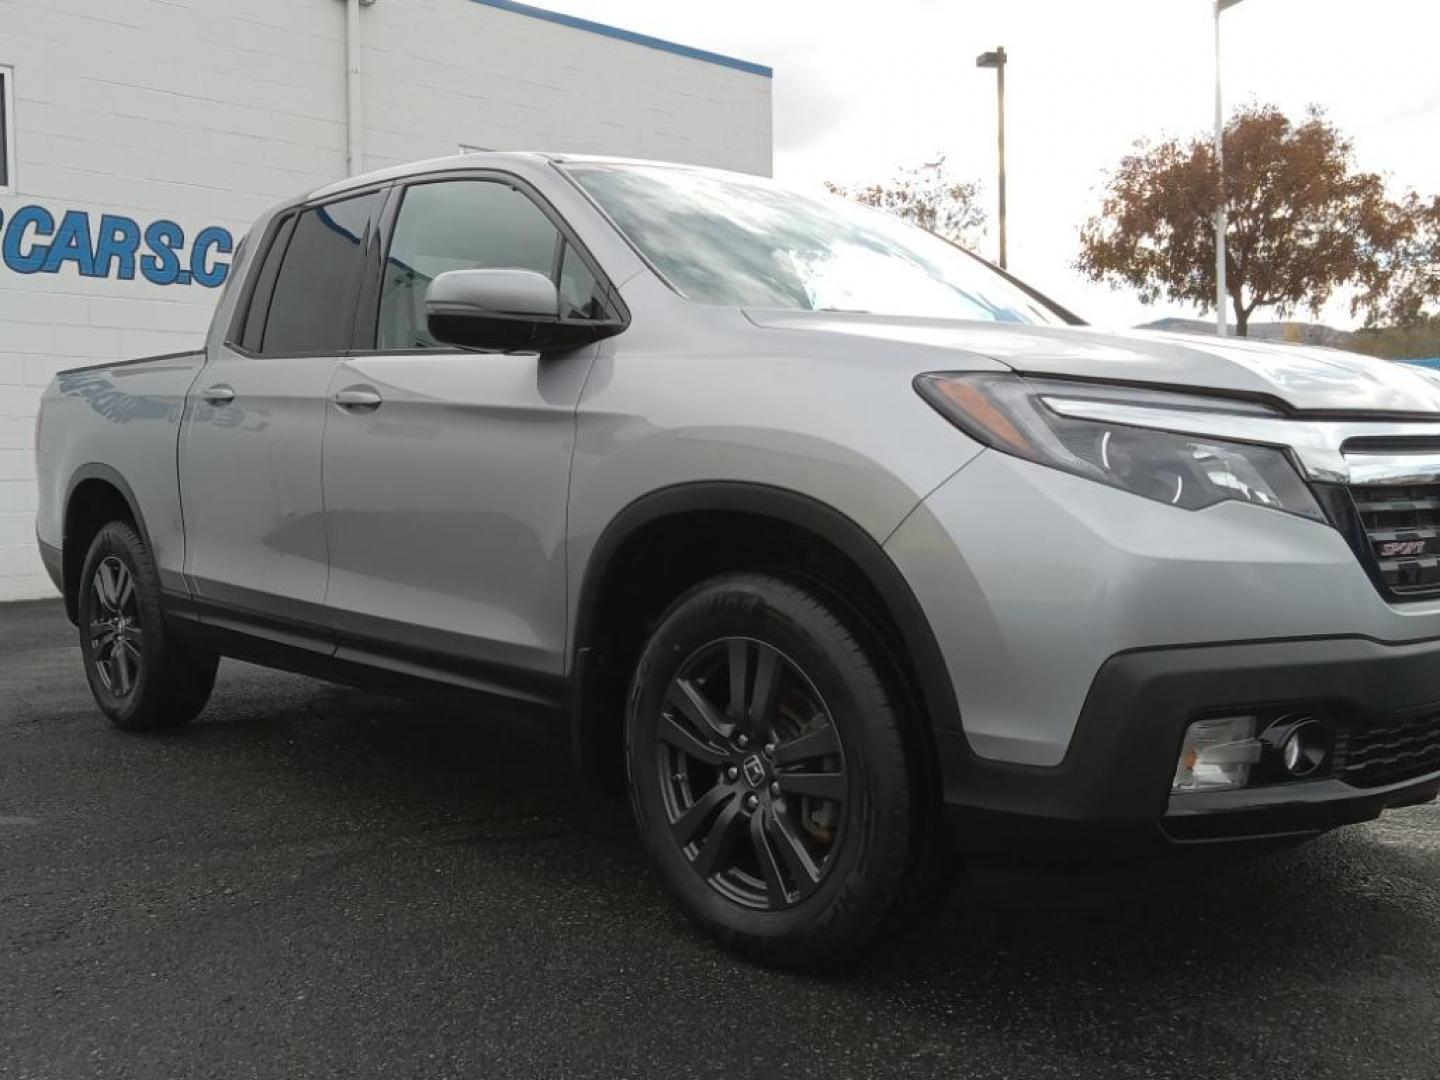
pixel 1303 221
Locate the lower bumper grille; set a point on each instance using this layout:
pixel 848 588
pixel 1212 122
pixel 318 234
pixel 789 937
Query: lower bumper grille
pixel 1390 751
pixel 1402 529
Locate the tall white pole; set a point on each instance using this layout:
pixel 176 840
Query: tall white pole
pixel 353 164
pixel 1220 209
pixel 1000 99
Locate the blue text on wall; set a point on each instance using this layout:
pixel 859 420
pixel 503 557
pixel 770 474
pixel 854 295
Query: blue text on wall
pixel 34 241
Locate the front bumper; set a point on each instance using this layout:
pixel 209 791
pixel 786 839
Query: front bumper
pixel 1032 579
pixel 1111 796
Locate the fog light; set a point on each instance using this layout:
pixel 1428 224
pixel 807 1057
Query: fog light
pixel 1302 744
pixel 1217 754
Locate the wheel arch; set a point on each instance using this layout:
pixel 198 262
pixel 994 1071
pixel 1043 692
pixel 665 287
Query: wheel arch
pixel 92 497
pixel 914 646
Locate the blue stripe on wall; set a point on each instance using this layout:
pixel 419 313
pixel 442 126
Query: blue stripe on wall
pixel 627 35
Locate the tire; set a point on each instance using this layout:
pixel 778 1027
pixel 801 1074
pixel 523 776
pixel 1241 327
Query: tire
pixel 783 814
pixel 141 677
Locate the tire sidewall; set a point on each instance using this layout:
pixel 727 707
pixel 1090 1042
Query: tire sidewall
pixel 122 542
pixel 791 622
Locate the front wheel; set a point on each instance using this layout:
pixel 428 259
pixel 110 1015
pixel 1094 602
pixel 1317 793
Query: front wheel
pixel 768 771
pixel 141 678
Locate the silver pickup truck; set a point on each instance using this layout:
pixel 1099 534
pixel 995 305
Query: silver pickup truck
pixel 844 549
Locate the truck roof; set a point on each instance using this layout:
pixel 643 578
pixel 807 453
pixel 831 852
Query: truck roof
pixel 480 160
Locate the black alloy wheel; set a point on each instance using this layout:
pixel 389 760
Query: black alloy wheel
pixel 771 772
pixel 116 628
pixel 753 773
pixel 142 678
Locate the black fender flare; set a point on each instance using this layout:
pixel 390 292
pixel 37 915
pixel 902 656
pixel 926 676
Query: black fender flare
pixel 94 470
pixel 917 639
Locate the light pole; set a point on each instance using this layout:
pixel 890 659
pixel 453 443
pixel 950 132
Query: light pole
pixel 1220 220
pixel 997 60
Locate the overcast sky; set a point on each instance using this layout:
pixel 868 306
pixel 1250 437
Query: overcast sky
pixel 861 88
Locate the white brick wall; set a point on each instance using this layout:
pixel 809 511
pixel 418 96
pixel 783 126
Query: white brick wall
pixel 205 112
pixel 442 73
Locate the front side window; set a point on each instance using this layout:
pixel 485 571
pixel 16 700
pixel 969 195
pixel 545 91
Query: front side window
pixel 736 241
pixel 7 128
pixel 580 293
pixel 457 225
pixel 312 305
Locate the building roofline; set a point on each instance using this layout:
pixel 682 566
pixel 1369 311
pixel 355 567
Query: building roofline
pixel 619 34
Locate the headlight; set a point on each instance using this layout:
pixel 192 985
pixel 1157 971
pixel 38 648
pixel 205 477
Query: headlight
pixel 1189 471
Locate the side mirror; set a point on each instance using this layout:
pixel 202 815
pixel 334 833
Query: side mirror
pixel 505 310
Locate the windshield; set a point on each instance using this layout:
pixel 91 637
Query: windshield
pixel 731 240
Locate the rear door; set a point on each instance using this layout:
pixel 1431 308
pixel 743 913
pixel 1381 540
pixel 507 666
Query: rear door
pixel 446 472
pixel 250 452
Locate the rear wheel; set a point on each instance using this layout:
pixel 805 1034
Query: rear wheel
pixel 769 772
pixel 141 678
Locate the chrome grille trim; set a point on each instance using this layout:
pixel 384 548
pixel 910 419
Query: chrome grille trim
pixel 1383 470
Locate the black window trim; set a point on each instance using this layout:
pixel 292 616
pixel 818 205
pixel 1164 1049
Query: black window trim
pixel 367 312
pixel 278 246
pixel 235 332
pixel 281 228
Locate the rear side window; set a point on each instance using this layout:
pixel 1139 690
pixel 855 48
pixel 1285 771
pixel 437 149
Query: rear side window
pixel 456 225
pixel 313 300
pixel 253 332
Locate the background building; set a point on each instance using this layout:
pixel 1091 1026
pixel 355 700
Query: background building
pixel 138 139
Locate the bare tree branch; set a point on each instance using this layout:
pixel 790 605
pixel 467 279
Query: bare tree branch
pixel 927 195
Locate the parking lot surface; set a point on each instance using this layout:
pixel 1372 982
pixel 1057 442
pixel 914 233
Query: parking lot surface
pixel 314 881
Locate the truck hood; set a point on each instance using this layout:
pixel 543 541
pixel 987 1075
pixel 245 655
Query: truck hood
pixel 1302 378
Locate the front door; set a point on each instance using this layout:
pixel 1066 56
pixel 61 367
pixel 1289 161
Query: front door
pixel 446 472
pixel 250 452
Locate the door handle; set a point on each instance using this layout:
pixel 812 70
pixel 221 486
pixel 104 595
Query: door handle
pixel 217 395
pixel 358 399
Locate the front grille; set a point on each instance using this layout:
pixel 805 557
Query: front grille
pixel 1402 529
pixel 1389 751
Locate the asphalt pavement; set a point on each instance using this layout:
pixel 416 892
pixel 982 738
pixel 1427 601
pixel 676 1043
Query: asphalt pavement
pixel 313 881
